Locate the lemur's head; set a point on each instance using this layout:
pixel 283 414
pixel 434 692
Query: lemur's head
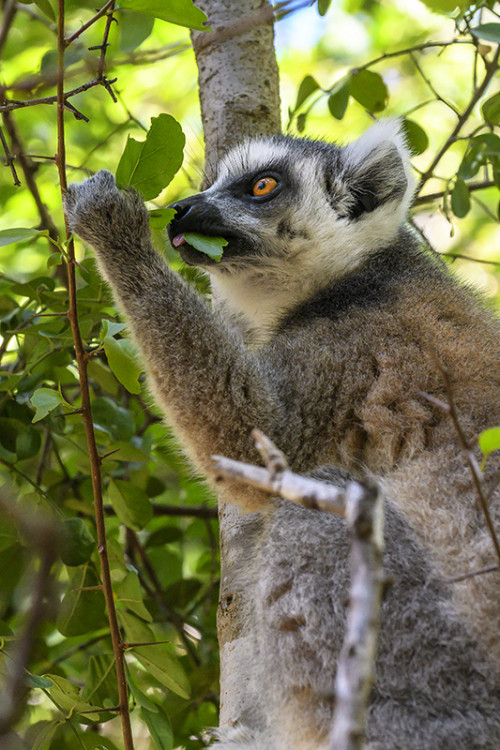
pixel 285 199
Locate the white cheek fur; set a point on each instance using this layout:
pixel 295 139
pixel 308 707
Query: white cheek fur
pixel 292 270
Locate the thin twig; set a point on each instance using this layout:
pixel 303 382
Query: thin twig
pixel 42 538
pixel 8 13
pixel 158 594
pixel 469 258
pixel 491 68
pixel 90 23
pixel 430 85
pixel 12 104
pixel 9 159
pixel 430 197
pixel 475 471
pixel 95 461
pixel 28 170
pixel 473 574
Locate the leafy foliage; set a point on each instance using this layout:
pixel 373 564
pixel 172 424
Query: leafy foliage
pixel 160 520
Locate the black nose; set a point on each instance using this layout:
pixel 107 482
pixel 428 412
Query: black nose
pixel 181 209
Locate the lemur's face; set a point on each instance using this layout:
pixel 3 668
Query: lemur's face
pixel 278 200
pixel 250 204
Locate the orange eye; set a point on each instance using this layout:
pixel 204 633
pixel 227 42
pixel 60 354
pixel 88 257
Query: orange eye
pixel 264 186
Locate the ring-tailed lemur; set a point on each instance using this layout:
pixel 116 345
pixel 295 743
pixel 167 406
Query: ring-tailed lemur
pixel 328 326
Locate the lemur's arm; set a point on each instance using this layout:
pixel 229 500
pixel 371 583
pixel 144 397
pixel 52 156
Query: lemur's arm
pixel 209 384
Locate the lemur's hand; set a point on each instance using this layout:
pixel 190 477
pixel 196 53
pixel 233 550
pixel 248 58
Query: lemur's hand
pixel 105 217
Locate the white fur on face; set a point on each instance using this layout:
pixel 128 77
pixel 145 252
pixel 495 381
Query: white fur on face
pixel 324 244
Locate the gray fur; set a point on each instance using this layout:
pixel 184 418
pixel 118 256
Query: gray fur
pixel 327 326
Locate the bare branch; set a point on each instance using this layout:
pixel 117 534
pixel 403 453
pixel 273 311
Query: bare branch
pixel 472 463
pixel 12 104
pixel 90 23
pixel 28 170
pixel 42 538
pixel 311 493
pixel 362 507
pixel 430 197
pixel 10 159
pixel 491 68
pixel 356 667
pixel 95 459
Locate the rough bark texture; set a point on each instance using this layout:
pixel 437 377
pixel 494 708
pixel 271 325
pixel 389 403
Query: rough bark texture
pixel 237 74
pixel 239 94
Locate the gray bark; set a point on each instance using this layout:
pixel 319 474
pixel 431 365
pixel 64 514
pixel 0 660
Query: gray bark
pixel 237 75
pixel 239 95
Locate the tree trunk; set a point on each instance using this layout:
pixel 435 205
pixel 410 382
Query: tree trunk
pixel 239 95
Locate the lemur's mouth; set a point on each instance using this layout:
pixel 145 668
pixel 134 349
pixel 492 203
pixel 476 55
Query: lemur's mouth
pixel 178 240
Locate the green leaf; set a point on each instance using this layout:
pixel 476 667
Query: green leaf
pixel 128 452
pixel 28 443
pixel 301 122
pixel 491 109
pixel 34 681
pixel 150 165
pixel 77 542
pixel 369 89
pixel 129 593
pixel 46 400
pixel 323 6
pixel 416 136
pixel 165 667
pixel 306 88
pixel 460 198
pixel 489 440
pixel 180 12
pixel 110 328
pixel 8 532
pixel 115 420
pixel 488 31
pixel 46 8
pixel 446 7
pixel 67 695
pixel 161 217
pixel 100 684
pixel 122 363
pixel 81 611
pixel 8 236
pixel 211 246
pixel 159 727
pixel 42 733
pixel 140 697
pixel 136 630
pixel 131 504
pixel 134 29
pixel 339 98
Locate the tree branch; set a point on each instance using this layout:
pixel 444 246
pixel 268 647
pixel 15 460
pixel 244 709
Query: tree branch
pixel 491 68
pixel 42 538
pixel 475 471
pixel 363 509
pixel 95 461
pixel 356 666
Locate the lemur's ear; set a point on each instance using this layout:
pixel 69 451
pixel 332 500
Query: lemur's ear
pixel 377 170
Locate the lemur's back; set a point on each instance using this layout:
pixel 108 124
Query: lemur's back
pixel 331 330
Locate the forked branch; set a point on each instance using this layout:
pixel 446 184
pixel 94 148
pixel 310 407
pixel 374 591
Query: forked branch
pixel 362 507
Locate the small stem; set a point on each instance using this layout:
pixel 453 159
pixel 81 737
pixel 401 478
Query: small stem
pixel 95 461
pixel 437 196
pixel 491 69
pixel 431 86
pixel 13 104
pixel 10 159
pixel 89 23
